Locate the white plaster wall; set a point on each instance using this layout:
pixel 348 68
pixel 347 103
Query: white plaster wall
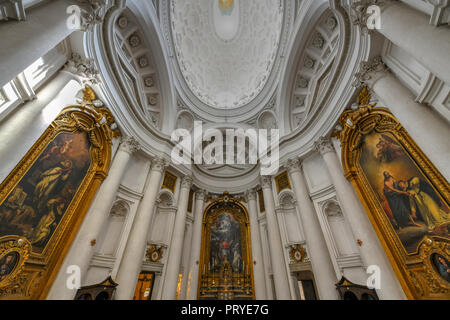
pixel 134 178
pixel 316 173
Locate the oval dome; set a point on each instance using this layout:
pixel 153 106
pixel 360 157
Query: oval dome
pixel 226 48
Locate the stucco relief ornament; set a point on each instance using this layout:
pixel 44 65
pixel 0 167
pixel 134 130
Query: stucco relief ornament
pixel 159 164
pixel 297 253
pixel 323 145
pixel 359 14
pixel 369 72
pixel 186 182
pixel 83 68
pixel 266 182
pixel 200 194
pixel 251 194
pixel 130 144
pixel 293 165
pixel 92 13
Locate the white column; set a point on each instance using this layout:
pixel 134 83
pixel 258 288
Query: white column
pixel 133 255
pixel 83 248
pixel 322 265
pixel 258 264
pixel 426 127
pixel 176 244
pixel 192 285
pixel 410 30
pixel 370 248
pixel 276 248
pixel 186 259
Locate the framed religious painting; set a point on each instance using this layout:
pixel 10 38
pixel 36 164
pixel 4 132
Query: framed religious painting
pixel 405 197
pixel 44 199
pixel 226 268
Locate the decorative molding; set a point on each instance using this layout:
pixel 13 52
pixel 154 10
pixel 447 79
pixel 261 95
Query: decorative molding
pixel 120 208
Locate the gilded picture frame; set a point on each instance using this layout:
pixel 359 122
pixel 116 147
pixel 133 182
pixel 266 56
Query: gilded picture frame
pixel 208 280
pixel 41 264
pixel 410 253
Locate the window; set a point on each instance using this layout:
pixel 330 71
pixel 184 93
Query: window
pixel 22 88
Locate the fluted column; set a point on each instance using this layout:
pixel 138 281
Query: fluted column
pixel 370 248
pixel 258 264
pixel 322 265
pixel 410 30
pixel 176 244
pixel 131 263
pixel 83 247
pixel 194 262
pixel 425 126
pixel 276 248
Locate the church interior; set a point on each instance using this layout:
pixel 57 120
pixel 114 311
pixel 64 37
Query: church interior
pixel 224 150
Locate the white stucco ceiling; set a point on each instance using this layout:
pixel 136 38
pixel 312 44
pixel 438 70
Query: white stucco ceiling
pixel 226 59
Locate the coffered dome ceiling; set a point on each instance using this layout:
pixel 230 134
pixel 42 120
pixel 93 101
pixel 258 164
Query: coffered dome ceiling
pixel 225 51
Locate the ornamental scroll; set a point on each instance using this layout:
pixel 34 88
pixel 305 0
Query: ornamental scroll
pixel 45 197
pixel 406 198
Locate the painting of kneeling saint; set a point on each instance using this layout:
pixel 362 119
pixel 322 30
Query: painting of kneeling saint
pixel 37 204
pixel 413 206
pixel 7 264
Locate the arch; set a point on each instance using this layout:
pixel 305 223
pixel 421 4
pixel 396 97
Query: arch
pixel 332 207
pixel 286 199
pixel 166 198
pixel 267 120
pixel 120 208
pixel 102 46
pixel 312 56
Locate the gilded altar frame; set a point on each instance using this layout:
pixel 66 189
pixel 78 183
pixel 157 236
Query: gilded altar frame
pixel 245 236
pixel 40 269
pixel 415 271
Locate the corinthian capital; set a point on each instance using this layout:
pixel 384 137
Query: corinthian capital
pixel 251 194
pixel 186 182
pixel 92 13
pixel 360 14
pixel 266 182
pixel 83 68
pixel 130 145
pixel 200 194
pixel 323 145
pixel 370 72
pixel 159 164
pixel 293 165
